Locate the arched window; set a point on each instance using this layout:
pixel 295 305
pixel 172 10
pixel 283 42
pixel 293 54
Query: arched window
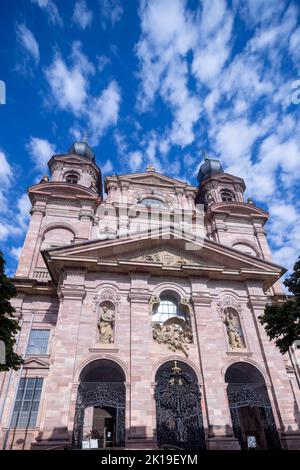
pixel 72 178
pixel 152 202
pixel 227 196
pixel 167 308
pixel 245 249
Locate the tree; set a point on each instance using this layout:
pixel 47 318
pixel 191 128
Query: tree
pixel 282 321
pixel 9 325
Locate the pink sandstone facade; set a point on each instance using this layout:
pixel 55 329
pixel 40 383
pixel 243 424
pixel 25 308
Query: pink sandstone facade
pixel 78 258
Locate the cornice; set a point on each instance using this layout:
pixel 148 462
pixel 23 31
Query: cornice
pixel 25 285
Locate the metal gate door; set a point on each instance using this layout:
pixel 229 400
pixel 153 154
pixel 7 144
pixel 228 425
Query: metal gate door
pixel 178 411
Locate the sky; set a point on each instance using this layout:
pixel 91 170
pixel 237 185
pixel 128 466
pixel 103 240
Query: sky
pixel 157 81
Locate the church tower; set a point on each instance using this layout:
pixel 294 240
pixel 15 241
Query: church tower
pixel 230 220
pixel 63 207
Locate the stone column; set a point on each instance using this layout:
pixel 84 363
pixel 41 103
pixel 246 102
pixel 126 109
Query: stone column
pixel 282 399
pixel 211 351
pixel 56 428
pixel 140 419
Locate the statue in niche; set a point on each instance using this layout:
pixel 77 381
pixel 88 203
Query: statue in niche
pixel 106 324
pixel 233 330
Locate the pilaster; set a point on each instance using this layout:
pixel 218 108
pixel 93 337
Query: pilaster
pixel 54 426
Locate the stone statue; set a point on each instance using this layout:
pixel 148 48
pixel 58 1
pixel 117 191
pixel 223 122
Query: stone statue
pixel 173 336
pixel 234 335
pixel 106 324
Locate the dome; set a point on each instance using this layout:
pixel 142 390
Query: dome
pixel 83 149
pixel 208 168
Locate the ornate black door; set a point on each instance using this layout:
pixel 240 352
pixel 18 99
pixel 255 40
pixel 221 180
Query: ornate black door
pixel 255 396
pixel 178 411
pixel 103 395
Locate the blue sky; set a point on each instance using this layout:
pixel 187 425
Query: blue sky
pixel 153 82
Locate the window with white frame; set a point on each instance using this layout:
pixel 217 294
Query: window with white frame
pixel 27 403
pixel 167 308
pixel 38 342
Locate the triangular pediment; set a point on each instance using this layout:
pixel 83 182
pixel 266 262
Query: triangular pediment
pixel 36 363
pixel 150 178
pixel 168 253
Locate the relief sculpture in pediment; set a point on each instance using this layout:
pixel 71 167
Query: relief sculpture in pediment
pixel 165 258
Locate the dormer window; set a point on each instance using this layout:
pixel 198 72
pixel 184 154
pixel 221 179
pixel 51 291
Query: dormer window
pixel 227 196
pixel 72 178
pixel 152 202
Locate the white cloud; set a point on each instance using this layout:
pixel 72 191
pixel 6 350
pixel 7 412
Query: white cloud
pixel 107 167
pixel 23 206
pixel 5 170
pixel 103 61
pixel 259 11
pixel 51 11
pixel 40 150
pixel 15 252
pixel 103 111
pixel 213 46
pixel 168 33
pixel 135 160
pixel 82 16
pixel 69 84
pixel 234 139
pixel 70 90
pixel 4 231
pixel 28 41
pixel 19 213
pixel 111 12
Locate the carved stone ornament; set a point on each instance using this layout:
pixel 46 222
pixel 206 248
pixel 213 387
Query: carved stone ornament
pixel 227 302
pixel 165 258
pixel 105 295
pixel 152 302
pixel 175 334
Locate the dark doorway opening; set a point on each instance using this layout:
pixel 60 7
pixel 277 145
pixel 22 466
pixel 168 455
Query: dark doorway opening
pixel 250 408
pixel 104 425
pixel 100 406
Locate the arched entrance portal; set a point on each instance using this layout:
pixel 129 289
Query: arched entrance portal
pixel 100 405
pixel 178 409
pixel 251 412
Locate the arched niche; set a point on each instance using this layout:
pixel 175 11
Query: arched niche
pixel 102 370
pixel 106 322
pixel 231 314
pixel 179 423
pixel 100 405
pixel 171 321
pixel 250 407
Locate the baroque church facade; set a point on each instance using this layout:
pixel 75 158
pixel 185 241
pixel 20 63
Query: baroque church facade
pixel 146 338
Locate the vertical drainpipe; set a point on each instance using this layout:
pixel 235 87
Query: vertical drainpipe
pixel 17 387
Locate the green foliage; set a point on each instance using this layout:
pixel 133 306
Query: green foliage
pixel 9 325
pixel 282 321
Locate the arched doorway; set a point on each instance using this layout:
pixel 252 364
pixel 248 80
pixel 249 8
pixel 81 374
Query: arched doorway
pixel 178 407
pixel 250 407
pixel 100 405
